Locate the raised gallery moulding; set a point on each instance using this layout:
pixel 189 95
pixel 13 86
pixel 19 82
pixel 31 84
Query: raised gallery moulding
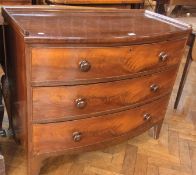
pixel 86 78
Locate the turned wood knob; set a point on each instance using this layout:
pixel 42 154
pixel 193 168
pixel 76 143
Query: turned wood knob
pixel 163 56
pixel 80 103
pixel 154 88
pixel 84 66
pixel 77 136
pixel 147 116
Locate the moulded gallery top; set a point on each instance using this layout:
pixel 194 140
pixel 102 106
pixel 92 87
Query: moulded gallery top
pixel 84 25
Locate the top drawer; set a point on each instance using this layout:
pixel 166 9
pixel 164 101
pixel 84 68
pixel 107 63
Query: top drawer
pixel 76 65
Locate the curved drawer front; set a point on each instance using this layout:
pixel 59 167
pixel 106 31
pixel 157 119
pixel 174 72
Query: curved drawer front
pixel 73 65
pixel 79 133
pixel 74 102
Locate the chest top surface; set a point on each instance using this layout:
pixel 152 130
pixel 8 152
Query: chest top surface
pixel 91 25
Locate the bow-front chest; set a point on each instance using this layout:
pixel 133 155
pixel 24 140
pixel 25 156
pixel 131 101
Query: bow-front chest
pixel 83 79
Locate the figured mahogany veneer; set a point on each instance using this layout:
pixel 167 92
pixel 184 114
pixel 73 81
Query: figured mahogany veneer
pixel 60 103
pixel 96 129
pixel 15 2
pixel 83 79
pixel 62 66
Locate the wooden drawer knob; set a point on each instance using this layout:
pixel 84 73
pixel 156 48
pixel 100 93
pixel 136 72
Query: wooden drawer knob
pixel 163 56
pixel 84 66
pixel 154 88
pixel 77 136
pixel 147 116
pixel 80 103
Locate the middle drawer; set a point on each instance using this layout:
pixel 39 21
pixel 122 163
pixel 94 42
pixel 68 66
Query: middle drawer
pixel 73 102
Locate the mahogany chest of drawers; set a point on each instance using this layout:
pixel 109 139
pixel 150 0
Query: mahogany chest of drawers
pixel 84 79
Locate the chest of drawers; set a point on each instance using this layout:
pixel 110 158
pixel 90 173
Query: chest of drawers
pixel 84 79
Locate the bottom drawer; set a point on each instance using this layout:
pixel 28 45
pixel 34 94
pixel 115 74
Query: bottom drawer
pixel 60 136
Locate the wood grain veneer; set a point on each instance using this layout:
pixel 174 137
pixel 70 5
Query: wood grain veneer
pixel 44 79
pixel 94 32
pixel 61 65
pixel 94 130
pixel 59 103
pixel 15 2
